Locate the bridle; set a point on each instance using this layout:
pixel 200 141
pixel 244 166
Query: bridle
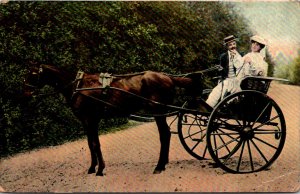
pixel 32 87
pixel 35 86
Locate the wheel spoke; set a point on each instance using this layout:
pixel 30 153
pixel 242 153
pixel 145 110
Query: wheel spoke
pixel 224 143
pixel 227 134
pixel 205 150
pixel 190 135
pixel 229 142
pixel 240 158
pixel 215 143
pixel 250 155
pixel 266 122
pixel 193 134
pixel 234 128
pixel 237 122
pixel 262 155
pixel 195 145
pixel 263 111
pixel 265 142
pixel 232 152
pixel 229 126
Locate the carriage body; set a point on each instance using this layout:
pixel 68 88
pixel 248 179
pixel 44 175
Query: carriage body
pixel 244 133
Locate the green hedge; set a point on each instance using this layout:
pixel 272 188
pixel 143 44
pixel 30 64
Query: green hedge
pixel 115 37
pixel 290 70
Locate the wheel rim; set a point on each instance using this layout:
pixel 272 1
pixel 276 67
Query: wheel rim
pixel 192 135
pixel 246 132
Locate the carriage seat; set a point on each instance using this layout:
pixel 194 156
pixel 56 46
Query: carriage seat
pixel 258 83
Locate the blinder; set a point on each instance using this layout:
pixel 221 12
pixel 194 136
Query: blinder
pixel 32 80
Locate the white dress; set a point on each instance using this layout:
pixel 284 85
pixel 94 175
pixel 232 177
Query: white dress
pixel 257 66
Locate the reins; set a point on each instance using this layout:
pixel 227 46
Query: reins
pixel 216 67
pixel 77 90
pixel 140 97
pixel 176 108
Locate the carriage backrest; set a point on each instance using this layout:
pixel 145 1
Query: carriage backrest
pixel 258 83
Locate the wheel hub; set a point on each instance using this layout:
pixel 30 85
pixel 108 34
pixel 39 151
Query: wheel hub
pixel 247 133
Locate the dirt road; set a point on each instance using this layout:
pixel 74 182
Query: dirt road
pixel 131 156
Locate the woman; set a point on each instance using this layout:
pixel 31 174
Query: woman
pixel 253 64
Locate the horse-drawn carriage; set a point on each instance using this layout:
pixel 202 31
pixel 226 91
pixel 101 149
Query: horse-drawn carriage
pixel 244 133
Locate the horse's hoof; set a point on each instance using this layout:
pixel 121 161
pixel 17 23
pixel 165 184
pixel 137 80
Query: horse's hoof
pixel 91 170
pixel 99 174
pixel 158 170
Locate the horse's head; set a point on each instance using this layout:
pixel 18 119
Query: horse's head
pixel 196 86
pixel 33 81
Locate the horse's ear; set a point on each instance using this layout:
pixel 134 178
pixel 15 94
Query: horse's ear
pixel 33 64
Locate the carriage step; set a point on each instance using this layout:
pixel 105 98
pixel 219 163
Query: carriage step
pixel 196 139
pixel 272 123
pixel 174 132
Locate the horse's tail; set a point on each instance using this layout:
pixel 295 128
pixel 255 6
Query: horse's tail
pixel 191 83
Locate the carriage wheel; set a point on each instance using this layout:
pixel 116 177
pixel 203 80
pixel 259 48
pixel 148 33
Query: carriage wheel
pixel 246 132
pixel 192 134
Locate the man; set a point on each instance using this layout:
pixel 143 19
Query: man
pixel 251 64
pixel 230 61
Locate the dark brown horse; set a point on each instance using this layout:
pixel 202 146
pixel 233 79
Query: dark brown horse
pixel 90 106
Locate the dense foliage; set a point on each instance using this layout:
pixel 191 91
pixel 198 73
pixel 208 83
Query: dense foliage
pixel 290 71
pixel 115 37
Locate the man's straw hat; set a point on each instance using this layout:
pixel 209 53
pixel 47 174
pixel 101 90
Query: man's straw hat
pixel 229 39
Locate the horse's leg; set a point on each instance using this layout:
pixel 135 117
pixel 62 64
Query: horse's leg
pixel 94 162
pixel 94 145
pixel 101 163
pixel 93 154
pixel 165 137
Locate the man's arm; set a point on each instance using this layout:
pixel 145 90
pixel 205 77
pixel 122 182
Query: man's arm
pixel 224 63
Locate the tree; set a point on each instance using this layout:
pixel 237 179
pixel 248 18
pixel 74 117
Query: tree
pixel 290 71
pixel 115 37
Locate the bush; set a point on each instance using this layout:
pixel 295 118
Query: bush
pixel 290 71
pixel 115 37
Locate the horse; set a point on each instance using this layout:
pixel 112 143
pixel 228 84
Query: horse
pixel 95 102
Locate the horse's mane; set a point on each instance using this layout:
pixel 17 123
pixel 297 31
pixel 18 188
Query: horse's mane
pixel 58 71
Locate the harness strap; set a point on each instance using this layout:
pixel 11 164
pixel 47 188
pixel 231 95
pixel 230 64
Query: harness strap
pixel 105 79
pixel 79 76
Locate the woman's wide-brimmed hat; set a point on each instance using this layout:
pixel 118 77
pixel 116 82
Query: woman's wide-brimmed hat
pixel 258 39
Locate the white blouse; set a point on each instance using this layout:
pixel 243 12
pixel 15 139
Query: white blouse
pixel 257 66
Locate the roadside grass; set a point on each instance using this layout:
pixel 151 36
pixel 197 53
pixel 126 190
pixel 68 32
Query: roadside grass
pixel 77 136
pixel 129 124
